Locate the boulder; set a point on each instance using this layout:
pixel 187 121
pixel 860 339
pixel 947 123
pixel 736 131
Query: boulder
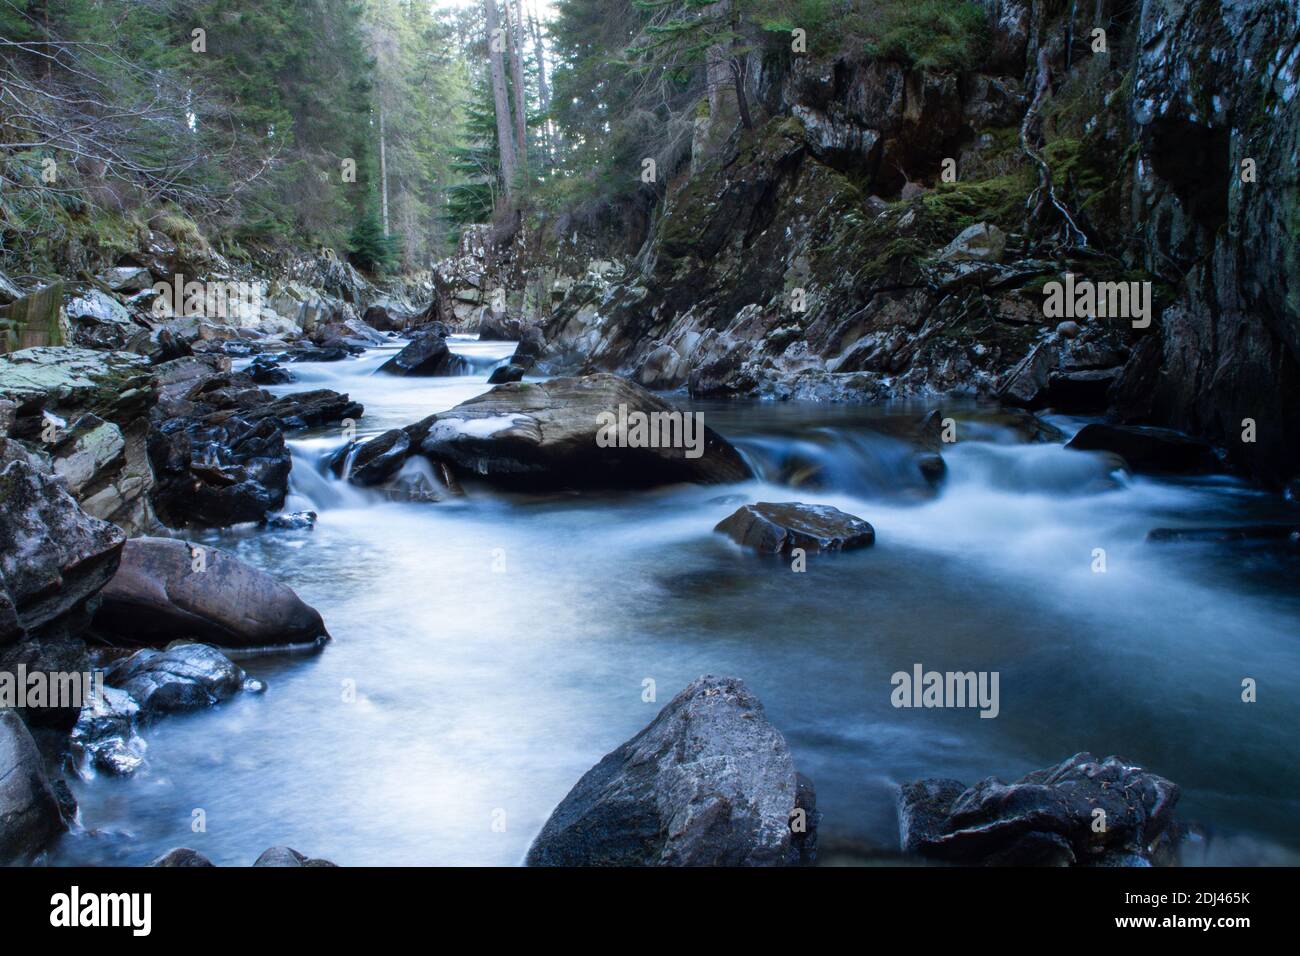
pixel 182 678
pixel 1149 450
pixel 217 444
pixel 284 856
pixel 780 528
pixel 54 558
pixel 981 242
pixel 167 590
pixel 29 808
pixel 506 373
pixel 550 434
pixel 374 461
pixel 127 279
pixel 1047 817
pixel 182 856
pixel 266 371
pixel 427 354
pixel 710 782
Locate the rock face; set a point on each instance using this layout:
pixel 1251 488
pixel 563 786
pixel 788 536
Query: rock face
pixel 158 596
pixel 29 810
pixel 549 434
pixel 1148 450
pixel 780 528
pixel 1049 817
pixel 86 410
pixel 54 558
pixel 708 783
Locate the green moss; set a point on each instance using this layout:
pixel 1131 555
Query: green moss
pixel 927 34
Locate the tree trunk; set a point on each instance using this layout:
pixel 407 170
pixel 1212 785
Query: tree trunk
pixel 515 21
pixel 383 169
pixel 543 84
pixel 500 98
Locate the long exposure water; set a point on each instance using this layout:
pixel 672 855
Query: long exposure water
pixel 488 650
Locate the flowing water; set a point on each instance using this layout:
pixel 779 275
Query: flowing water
pixel 489 650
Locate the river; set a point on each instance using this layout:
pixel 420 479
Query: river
pixel 488 650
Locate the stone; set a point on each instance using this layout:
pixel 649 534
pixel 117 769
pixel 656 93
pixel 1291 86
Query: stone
pixel 545 434
pixel 182 678
pixel 284 856
pixel 981 242
pixel 427 354
pixel 54 558
pixel 710 782
pixel 182 856
pixel 105 734
pixel 167 590
pixel 29 808
pixel 506 373
pixel 1149 450
pixel 780 528
pixel 1045 818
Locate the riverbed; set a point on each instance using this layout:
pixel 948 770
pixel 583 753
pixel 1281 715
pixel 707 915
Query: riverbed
pixel 488 650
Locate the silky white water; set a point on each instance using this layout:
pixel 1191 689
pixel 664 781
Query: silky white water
pixel 487 651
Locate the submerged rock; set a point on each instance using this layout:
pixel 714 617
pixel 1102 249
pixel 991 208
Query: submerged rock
pixel 166 590
pixel 1083 811
pixel 710 782
pixel 29 807
pixel 565 433
pixel 1149 450
pixel 779 528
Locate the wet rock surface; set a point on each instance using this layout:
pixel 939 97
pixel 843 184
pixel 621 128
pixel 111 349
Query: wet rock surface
pixel 771 528
pixel 182 678
pixel 710 782
pixel 167 590
pixel 546 435
pixel 1084 811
